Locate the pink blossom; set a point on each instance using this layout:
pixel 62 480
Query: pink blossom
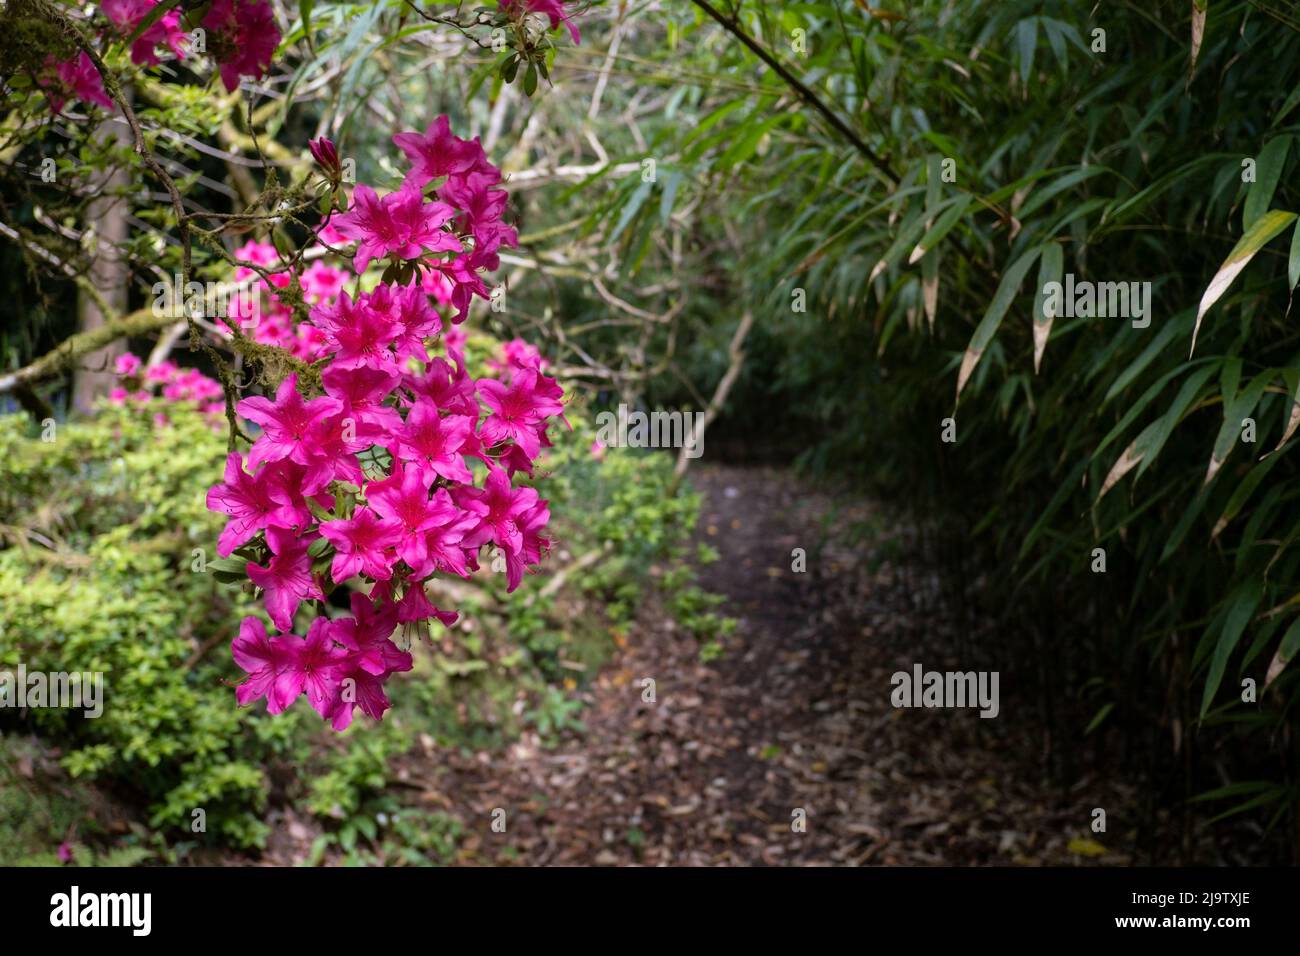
pixel 74 79
pixel 286 423
pixel 530 524
pixel 481 209
pixel 361 331
pixel 426 516
pixel 321 281
pixel 246 499
pixel 404 499
pixel 370 657
pixel 332 445
pixel 415 605
pixel 433 444
pixel 127 364
pixel 416 320
pixel 126 15
pixel 444 541
pixel 366 635
pixel 287 578
pixel 518 410
pixel 260 658
pixel 329 235
pixel 401 224
pixel 242 37
pixel 361 392
pixel 438 153
pixel 452 390
pixel 362 542
pixel 312 664
pixel 499 509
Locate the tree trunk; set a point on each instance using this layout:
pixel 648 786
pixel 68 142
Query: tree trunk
pixel 109 272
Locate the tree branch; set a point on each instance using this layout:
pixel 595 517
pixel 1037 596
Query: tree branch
pixel 732 26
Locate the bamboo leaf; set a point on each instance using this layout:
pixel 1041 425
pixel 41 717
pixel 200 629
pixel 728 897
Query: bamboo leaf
pixel 1286 652
pixel 1268 170
pixel 1240 612
pixel 1002 299
pixel 1264 229
pixel 1049 270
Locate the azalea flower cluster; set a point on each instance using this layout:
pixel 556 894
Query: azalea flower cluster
pixel 371 481
pixel 240 35
pixel 138 384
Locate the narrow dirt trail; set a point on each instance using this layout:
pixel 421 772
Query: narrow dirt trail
pixel 793 722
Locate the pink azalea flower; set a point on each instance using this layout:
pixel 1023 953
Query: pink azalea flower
pixel 517 411
pixel 530 524
pixel 499 509
pixel 286 483
pixel 438 152
pixel 125 15
pixel 482 208
pixel 74 79
pixel 455 340
pixel 416 320
pixel 433 444
pixel 321 281
pixel 310 343
pixel 401 224
pixel 361 391
pixel 127 364
pixel 370 659
pixel 404 498
pixel 262 659
pixel 450 390
pixel 287 578
pixel 163 371
pixel 368 694
pixel 462 273
pixel 312 664
pixel 437 285
pixel 330 236
pixel 257 252
pixel 286 423
pixel 360 332
pixel 444 542
pixel 334 443
pixel 246 499
pixel 367 636
pixel 415 605
pixel 362 543
pixel 242 37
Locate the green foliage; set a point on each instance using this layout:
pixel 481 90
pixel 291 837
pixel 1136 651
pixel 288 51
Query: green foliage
pixel 103 523
pixel 1114 165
